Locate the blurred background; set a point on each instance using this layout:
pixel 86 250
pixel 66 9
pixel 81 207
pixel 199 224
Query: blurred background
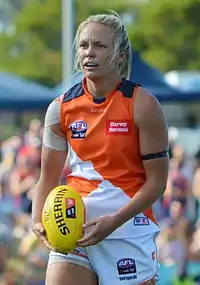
pixel 36 62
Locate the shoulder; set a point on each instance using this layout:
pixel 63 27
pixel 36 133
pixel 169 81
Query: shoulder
pixel 147 106
pixel 145 99
pixel 73 92
pixel 53 113
pixel 128 88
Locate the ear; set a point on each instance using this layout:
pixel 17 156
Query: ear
pixel 121 57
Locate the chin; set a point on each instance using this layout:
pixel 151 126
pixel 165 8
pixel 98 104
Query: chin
pixel 93 76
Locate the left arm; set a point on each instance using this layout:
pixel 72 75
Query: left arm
pixel 153 140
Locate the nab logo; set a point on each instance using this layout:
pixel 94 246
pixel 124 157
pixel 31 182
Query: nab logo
pixel 126 266
pixel 141 221
pixel 79 129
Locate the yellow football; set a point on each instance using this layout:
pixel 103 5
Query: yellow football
pixel 63 217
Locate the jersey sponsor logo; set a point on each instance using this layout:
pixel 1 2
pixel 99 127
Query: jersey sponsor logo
pixel 141 221
pixel 118 127
pixel 70 208
pixel 93 110
pixel 126 266
pixel 78 129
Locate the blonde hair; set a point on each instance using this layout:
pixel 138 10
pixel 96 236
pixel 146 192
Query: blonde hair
pixel 121 40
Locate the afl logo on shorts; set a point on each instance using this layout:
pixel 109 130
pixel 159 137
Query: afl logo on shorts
pixel 126 266
pixel 78 129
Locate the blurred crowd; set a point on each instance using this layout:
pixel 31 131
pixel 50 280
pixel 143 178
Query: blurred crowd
pixel 23 258
pixel 19 172
pixel 178 213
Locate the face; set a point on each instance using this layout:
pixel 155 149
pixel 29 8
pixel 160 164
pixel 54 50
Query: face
pixel 95 52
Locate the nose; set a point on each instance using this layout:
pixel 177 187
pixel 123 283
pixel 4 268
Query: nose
pixel 90 52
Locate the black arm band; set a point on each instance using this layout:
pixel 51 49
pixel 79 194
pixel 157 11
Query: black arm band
pixel 155 155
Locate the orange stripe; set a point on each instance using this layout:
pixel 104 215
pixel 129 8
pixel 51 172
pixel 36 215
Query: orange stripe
pixel 82 185
pixel 85 187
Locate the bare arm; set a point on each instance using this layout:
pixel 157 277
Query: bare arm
pixel 153 139
pixel 54 153
pixel 52 164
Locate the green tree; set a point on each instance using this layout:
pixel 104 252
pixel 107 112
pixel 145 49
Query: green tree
pixel 34 51
pixel 167 33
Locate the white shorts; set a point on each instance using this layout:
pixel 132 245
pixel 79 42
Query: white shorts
pixel 117 261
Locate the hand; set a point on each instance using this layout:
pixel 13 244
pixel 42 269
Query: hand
pixel 102 227
pixel 39 231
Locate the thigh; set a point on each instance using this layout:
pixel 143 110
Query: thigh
pixel 133 261
pixel 70 269
pixel 69 274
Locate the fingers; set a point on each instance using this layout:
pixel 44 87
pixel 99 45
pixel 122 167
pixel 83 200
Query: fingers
pixel 40 233
pixel 38 229
pixel 90 224
pixel 46 242
pixel 90 239
pixel 89 242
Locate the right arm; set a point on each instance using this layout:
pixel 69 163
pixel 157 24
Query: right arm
pixel 53 158
pixel 52 164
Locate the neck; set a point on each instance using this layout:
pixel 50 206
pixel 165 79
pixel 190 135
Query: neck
pixel 103 87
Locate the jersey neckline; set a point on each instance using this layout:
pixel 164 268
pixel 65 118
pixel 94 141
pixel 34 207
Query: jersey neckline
pixel 101 99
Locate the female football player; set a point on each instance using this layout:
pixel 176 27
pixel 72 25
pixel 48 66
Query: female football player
pixel 116 137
